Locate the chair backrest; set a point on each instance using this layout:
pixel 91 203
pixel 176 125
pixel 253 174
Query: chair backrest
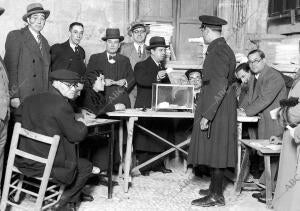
pixel 52 141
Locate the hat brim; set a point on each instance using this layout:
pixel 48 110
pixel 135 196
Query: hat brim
pixel 1 10
pixel 121 38
pixel 158 45
pixel 46 12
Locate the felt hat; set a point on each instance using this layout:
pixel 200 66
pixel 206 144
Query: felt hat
pixel 157 42
pixel 65 75
pixel 35 8
pixel 112 33
pixel 212 21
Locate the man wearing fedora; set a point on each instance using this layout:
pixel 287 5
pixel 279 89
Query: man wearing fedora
pixel 147 72
pixel 116 68
pixel 70 55
pixel 136 50
pixel 212 144
pixel 58 119
pixel 27 56
pixel 4 109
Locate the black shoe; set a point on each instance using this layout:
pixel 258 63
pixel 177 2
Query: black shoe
pixel 261 194
pixel 204 192
pixel 104 181
pixel 209 201
pixel 86 197
pixel 162 169
pixel 261 199
pixel 145 173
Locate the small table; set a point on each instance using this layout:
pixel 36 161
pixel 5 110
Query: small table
pixel 95 128
pixel 261 146
pixel 134 114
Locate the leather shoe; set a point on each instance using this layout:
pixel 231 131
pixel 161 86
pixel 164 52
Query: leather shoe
pixel 86 197
pixel 104 181
pixel 261 199
pixel 163 169
pixel 204 192
pixel 209 201
pixel 261 194
pixel 145 173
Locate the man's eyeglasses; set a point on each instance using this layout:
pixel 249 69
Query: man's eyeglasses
pixel 255 61
pixel 139 31
pixel 70 85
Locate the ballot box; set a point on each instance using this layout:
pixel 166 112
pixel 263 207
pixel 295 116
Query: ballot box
pixel 172 97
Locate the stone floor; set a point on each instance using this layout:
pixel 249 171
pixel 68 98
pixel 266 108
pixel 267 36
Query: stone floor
pixel 159 191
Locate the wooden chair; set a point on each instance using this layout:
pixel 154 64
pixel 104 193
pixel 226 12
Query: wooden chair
pixel 46 192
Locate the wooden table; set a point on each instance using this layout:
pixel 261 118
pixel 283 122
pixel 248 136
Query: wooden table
pixel 133 115
pixel 260 146
pixel 95 127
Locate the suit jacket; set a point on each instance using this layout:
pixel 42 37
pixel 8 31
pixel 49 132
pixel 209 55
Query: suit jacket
pixel 269 90
pixel 50 114
pixel 145 73
pixel 27 67
pixel 4 92
pixel 114 94
pixel 63 56
pixel 128 49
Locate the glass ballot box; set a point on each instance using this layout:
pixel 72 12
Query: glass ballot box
pixel 172 97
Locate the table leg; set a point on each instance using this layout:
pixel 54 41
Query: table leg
pixel 111 160
pixel 130 125
pixel 268 181
pixel 239 137
pixel 243 172
pixel 121 147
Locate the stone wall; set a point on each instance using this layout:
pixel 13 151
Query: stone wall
pixel 96 15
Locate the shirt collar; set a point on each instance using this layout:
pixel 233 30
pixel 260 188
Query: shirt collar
pixel 157 63
pixel 136 46
pixel 34 33
pixel 256 76
pixel 73 46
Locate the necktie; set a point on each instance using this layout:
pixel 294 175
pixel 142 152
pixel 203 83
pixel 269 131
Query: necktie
pixel 111 57
pixel 39 41
pixel 254 83
pixel 139 51
pixel 76 50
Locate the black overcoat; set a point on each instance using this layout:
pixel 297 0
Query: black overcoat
pixel 51 114
pixel 217 103
pixel 114 94
pixel 145 74
pixel 63 57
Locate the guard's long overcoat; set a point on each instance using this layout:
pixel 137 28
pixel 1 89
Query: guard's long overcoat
pixel 217 103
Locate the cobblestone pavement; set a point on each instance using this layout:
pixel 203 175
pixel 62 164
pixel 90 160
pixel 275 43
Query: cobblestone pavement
pixel 165 192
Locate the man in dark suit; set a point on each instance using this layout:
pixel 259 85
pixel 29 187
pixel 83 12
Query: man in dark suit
pixel 51 114
pixel 27 56
pixel 136 50
pixel 4 109
pixel 70 55
pixel 146 73
pixel 212 144
pixel 116 68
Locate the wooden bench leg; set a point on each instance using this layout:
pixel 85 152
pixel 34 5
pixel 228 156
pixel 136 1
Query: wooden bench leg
pixel 268 181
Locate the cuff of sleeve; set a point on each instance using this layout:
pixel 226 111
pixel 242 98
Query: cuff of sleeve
pixel 126 84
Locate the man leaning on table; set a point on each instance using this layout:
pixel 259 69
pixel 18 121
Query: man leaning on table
pixel 266 89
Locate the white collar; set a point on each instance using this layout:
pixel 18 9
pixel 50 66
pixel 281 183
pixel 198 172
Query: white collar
pixel 136 46
pixel 112 61
pixel 34 33
pixel 256 76
pixel 72 45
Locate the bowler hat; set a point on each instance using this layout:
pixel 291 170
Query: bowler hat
pixel 1 10
pixel 35 8
pixel 65 75
pixel 157 42
pixel 189 71
pixel 212 21
pixel 112 33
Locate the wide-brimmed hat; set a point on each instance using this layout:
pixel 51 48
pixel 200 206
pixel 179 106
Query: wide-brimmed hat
pixel 35 8
pixel 112 33
pixel 157 42
pixel 1 10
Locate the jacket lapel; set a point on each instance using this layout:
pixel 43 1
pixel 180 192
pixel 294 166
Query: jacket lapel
pixel 31 43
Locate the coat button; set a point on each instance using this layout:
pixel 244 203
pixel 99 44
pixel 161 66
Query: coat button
pixel 33 61
pixel 34 75
pixel 33 89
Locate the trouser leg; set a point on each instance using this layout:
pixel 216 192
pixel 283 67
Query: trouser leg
pixel 84 169
pixel 3 137
pixel 216 185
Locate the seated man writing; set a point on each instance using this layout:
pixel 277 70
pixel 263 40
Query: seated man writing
pixel 51 114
